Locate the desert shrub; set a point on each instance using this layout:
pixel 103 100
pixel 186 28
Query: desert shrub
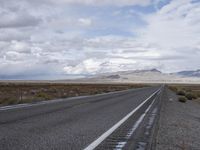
pixel 8 101
pixel 189 90
pixel 64 96
pixel 25 101
pixel 198 94
pixel 105 91
pixel 43 95
pixel 12 101
pixel 175 89
pixel 181 92
pixel 182 99
pixel 190 96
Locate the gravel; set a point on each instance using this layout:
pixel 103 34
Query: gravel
pixel 179 124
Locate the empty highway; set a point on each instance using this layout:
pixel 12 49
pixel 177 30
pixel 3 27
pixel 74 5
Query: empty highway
pixel 115 120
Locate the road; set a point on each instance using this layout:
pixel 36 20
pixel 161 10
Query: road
pixel 105 121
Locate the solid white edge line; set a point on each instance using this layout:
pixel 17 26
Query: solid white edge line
pixel 136 125
pixel 25 105
pixel 95 143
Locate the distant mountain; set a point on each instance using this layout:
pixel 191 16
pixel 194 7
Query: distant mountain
pixel 115 76
pixel 145 76
pixel 133 72
pixel 190 73
pixel 150 70
pixel 130 76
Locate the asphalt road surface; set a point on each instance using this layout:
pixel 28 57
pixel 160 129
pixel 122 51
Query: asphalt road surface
pixel 105 121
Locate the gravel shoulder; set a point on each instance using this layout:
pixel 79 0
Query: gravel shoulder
pixel 179 124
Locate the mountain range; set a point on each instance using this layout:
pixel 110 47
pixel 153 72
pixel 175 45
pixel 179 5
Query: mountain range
pixel 131 76
pixel 145 76
pixel 190 73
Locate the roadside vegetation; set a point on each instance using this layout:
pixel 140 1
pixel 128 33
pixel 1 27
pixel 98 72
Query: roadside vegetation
pixel 182 99
pixel 18 93
pixel 186 92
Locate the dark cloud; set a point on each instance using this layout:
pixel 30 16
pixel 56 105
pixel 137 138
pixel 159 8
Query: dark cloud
pixel 14 20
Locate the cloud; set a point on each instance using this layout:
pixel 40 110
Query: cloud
pixel 85 21
pixel 94 65
pixel 16 15
pixel 175 25
pixel 10 34
pixel 70 23
pixel 84 37
pixel 85 67
pixel 174 30
pixel 13 20
pixel 104 2
pixel 119 3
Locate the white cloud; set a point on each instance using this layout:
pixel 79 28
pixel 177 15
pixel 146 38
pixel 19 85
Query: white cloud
pixel 85 21
pixel 173 26
pixel 10 34
pixel 63 41
pixel 85 67
pixel 94 65
pixel 175 30
pixel 104 2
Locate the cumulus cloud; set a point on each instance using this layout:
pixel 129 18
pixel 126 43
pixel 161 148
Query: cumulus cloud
pixel 175 25
pixel 104 2
pixel 119 3
pixel 10 34
pixel 166 42
pixel 13 20
pixel 74 37
pixel 175 30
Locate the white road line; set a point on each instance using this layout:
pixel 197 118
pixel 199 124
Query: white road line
pixel 12 107
pixel 37 103
pixel 98 141
pixel 2 108
pixel 135 126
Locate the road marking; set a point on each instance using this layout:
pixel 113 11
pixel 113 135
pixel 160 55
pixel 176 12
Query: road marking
pixel 99 140
pixel 120 145
pixel 14 106
pixel 39 103
pixel 135 126
pixel 2 108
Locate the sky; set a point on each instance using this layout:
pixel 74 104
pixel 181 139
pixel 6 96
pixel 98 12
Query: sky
pixel 54 39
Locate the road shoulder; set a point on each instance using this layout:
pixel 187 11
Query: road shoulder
pixel 179 124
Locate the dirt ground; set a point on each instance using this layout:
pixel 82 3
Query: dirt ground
pixel 179 125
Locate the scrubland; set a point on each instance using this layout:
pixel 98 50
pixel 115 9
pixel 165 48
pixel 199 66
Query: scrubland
pixel 186 91
pixel 17 93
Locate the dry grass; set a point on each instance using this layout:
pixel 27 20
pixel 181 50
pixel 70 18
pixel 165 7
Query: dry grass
pixel 15 93
pixel 182 99
pixel 189 91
